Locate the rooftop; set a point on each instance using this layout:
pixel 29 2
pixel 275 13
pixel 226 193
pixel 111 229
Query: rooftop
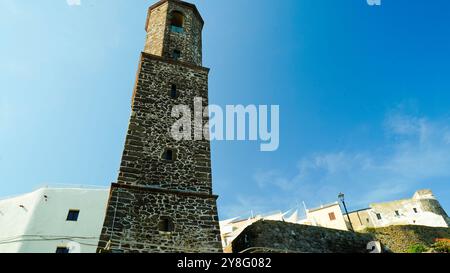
pixel 323 207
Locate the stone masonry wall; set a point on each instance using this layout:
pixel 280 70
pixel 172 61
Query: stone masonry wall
pixel 433 205
pixel 287 237
pixel 156 30
pixel 400 238
pixel 134 214
pixel 150 124
pixel 161 41
pixel 159 203
pixel 189 42
pixel 276 236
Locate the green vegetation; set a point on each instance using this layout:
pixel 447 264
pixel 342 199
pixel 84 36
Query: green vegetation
pixel 441 247
pixel 370 230
pixel 417 249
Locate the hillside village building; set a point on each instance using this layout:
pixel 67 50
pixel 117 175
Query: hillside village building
pixel 69 219
pixel 49 220
pixel 327 216
pixel 423 209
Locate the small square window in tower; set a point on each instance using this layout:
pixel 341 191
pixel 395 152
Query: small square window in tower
pixel 169 155
pixel 72 216
pixel 165 225
pixel 177 21
pixel 176 54
pixel 415 210
pixel 397 213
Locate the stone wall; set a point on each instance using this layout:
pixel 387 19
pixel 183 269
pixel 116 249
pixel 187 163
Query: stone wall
pixel 149 186
pixel 400 238
pixel 273 236
pixel 433 205
pixel 156 29
pixel 134 213
pixel 189 42
pixel 161 41
pixel 287 237
pixel 150 125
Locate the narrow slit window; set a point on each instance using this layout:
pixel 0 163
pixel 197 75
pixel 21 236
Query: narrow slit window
pixel 173 91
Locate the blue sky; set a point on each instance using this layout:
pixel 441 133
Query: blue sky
pixel 363 93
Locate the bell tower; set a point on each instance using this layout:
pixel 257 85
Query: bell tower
pixel 163 199
pixel 174 30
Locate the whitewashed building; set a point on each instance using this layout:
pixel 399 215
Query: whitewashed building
pixel 422 209
pixel 327 216
pixel 50 220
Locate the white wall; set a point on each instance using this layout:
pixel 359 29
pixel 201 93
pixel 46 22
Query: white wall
pixel 14 221
pixel 40 225
pixel 407 215
pixel 320 217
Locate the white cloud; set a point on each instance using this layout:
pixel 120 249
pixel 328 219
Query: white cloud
pixel 417 151
pixel 73 2
pixel 405 125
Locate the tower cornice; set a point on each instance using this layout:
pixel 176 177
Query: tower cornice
pixel 168 191
pixel 162 59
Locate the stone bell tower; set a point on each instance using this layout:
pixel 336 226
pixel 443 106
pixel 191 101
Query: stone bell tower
pixel 163 200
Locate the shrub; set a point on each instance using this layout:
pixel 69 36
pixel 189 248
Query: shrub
pixel 417 249
pixel 441 246
pixel 371 230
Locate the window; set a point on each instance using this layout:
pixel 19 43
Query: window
pixel 176 55
pixel 332 216
pixel 165 224
pixel 173 92
pixel 62 250
pixel 378 216
pixel 177 21
pixel 415 210
pixel 367 220
pixel 397 213
pixel 169 155
pixel 73 215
